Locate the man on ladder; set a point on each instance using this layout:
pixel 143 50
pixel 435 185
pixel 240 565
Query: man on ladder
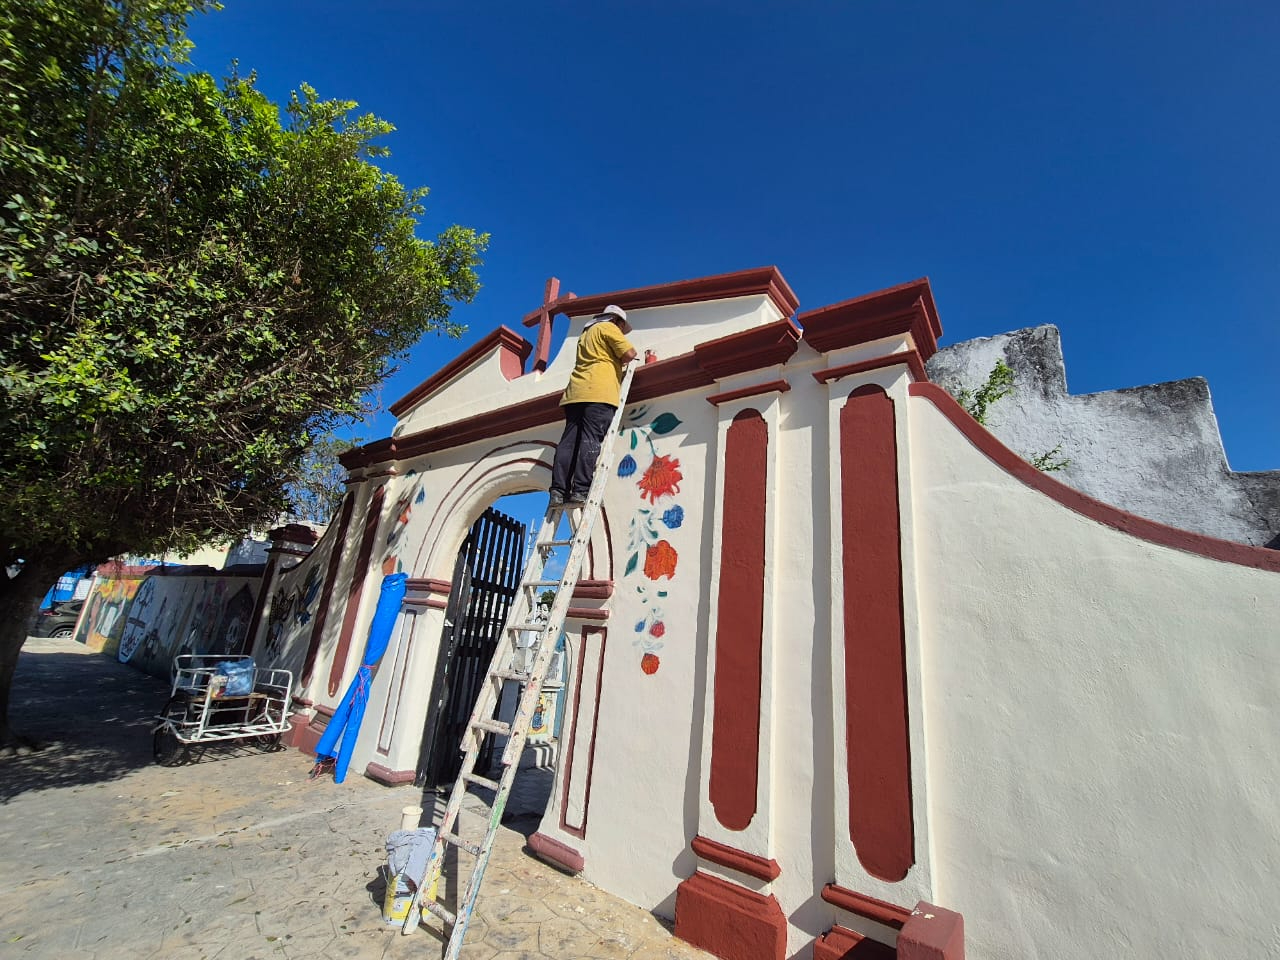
pixel 589 402
pixel 593 401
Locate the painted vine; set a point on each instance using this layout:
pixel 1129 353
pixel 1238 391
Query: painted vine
pixel 651 556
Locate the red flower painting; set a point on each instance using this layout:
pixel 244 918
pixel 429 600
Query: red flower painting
pixel 660 560
pixel 663 477
pixel 649 663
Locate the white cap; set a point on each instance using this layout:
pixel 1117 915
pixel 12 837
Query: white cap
pixel 615 312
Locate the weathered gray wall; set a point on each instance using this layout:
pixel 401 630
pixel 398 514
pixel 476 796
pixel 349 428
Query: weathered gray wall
pixel 1154 451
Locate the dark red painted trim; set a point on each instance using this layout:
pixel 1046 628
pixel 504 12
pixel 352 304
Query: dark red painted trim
pixel 772 386
pixel 658 379
pixel 372 521
pixel 907 308
pixel 730 921
pixel 587 613
pixel 932 933
pixel 751 349
pixel 428 585
pixel 877 744
pixel 384 775
pixel 306 733
pixel 665 377
pixel 580 831
pixel 890 914
pixel 376 451
pixel 910 357
pixel 593 590
pixel 735 859
pixel 556 853
pixel 735 730
pixel 436 604
pixel 1260 558
pixel 841 943
pixel 326 592
pixel 510 419
pixel 743 283
pixel 514 349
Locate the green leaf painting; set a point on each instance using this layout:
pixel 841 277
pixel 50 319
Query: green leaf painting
pixel 665 423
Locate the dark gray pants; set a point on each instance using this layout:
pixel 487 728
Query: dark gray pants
pixel 579 448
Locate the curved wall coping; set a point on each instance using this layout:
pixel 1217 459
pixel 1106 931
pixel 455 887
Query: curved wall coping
pixel 1158 533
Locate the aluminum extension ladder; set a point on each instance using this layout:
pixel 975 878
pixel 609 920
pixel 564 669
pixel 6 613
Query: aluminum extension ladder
pixel 502 668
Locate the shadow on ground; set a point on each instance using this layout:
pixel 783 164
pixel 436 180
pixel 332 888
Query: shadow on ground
pixel 75 704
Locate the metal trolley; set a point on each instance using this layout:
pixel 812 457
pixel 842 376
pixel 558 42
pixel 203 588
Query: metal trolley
pixel 201 710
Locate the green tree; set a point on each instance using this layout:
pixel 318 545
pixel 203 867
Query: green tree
pixel 193 283
pixel 318 488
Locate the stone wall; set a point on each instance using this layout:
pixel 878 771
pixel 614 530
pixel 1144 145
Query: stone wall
pixel 1154 450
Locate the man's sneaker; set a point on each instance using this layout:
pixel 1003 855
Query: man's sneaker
pixel 555 499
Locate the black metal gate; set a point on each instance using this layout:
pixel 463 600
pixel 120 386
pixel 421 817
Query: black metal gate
pixel 485 579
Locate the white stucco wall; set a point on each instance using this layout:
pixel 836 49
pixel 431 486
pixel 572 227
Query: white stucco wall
pixel 1101 725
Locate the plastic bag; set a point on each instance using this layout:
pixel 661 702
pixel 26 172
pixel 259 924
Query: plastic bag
pixel 239 674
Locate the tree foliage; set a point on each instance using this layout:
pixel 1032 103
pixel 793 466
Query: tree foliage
pixel 193 282
pixel 318 488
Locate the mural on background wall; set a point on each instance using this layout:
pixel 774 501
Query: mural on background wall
pixel 651 557
pixel 234 625
pixel 181 614
pixel 291 609
pixel 135 627
pixel 403 511
pixel 203 616
pixel 105 610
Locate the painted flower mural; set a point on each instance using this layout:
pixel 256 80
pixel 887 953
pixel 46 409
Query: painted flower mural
pixel 660 560
pixel 651 554
pixel 662 478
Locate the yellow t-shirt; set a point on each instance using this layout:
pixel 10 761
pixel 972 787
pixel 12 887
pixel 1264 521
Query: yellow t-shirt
pixel 597 369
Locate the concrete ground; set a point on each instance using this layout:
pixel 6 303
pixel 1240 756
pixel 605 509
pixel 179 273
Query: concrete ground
pixel 236 854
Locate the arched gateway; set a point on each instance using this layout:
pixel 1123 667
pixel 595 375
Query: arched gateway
pixel 837 654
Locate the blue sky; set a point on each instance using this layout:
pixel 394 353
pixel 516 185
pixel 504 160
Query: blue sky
pixel 1110 168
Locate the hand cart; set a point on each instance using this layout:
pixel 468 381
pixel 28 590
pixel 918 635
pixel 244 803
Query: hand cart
pixel 218 698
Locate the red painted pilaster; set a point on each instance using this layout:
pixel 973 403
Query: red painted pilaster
pixel 735 737
pixel 326 594
pixel 877 747
pixel 372 520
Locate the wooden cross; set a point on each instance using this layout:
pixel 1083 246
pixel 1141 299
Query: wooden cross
pixel 542 319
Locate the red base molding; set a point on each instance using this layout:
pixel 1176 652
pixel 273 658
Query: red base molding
pixel 932 933
pixel 735 859
pixel 840 943
pixel 387 776
pixel 890 914
pixel 302 734
pixel 730 921
pixel 556 853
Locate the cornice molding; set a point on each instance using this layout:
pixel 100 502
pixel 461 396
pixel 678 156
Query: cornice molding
pixel 514 348
pixel 905 309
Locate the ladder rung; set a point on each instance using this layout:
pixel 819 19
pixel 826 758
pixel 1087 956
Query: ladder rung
pixel 493 726
pixel 556 543
pixel 515 675
pixel 435 908
pixel 472 848
pixel 480 781
pixel 527 627
pixel 540 583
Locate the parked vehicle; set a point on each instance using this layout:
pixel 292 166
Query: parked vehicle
pixel 59 620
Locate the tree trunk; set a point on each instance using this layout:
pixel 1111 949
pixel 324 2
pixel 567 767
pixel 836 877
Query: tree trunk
pixel 19 600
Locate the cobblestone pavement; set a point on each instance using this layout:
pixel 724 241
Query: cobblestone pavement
pixel 237 855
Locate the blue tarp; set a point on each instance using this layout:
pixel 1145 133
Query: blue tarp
pixel 345 722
